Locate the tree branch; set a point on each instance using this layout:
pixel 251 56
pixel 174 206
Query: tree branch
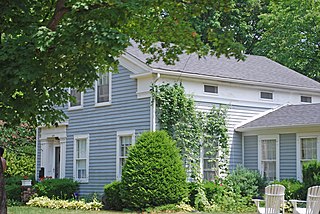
pixel 59 12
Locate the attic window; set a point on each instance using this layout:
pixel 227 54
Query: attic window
pixel 266 95
pixel 306 99
pixel 211 89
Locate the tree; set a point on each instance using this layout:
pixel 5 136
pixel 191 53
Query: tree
pixel 49 46
pixel 240 23
pixel 292 35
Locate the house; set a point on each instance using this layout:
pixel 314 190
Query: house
pixel 91 146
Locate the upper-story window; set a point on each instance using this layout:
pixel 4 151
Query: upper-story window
pixel 306 99
pixel 78 99
pixel 266 95
pixel 103 89
pixel 211 89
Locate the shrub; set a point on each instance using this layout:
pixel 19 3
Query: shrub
pixel 13 188
pixel 153 174
pixel 293 188
pixel 57 188
pixel 250 182
pixel 311 173
pixel 112 199
pixel 63 204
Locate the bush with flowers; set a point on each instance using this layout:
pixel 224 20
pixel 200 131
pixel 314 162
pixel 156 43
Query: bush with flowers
pixel 46 202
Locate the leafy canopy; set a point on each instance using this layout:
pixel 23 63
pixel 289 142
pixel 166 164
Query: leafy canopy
pixel 48 46
pixel 291 35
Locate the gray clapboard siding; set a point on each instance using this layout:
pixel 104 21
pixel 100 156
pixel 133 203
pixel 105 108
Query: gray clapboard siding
pixel 235 115
pixel 288 164
pixel 251 152
pixel 126 112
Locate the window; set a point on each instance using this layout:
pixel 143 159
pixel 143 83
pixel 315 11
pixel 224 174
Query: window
pixel 306 99
pixel 266 95
pixel 124 140
pixel 308 148
pixel 103 89
pixel 81 158
pixel 269 157
pixel 209 167
pixel 78 96
pixel 211 89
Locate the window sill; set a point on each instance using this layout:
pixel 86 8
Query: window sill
pixel 75 108
pixel 102 104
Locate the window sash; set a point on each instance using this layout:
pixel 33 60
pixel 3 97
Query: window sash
pixel 77 95
pixel 103 88
pixel 81 159
pixel 125 142
pixel 269 158
pixel 308 149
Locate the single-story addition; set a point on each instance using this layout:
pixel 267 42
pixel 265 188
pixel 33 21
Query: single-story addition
pixel 91 146
pixel 278 142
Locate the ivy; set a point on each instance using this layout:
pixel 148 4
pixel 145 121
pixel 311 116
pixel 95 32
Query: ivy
pixel 193 131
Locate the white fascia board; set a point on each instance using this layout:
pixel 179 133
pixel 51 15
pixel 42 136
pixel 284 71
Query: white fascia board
pixel 134 65
pixel 224 79
pixel 281 129
pixel 65 123
pixel 256 117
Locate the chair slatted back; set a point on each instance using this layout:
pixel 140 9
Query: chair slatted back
pixel 313 200
pixel 274 197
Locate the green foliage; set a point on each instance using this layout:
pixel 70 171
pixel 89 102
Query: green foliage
pixel 20 149
pixel 153 174
pixel 291 35
pixel 64 204
pixel 112 197
pixel 57 188
pixel 13 188
pixel 241 21
pixel 193 131
pixel 40 57
pixel 293 187
pixel 250 182
pixel 310 175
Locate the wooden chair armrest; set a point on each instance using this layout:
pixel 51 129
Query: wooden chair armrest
pixel 257 201
pixel 294 202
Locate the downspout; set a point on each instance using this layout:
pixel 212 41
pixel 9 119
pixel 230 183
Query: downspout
pixel 153 119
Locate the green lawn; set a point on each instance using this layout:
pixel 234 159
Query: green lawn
pixel 31 210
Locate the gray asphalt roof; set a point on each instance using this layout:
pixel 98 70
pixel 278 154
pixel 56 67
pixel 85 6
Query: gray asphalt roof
pixel 289 115
pixel 255 68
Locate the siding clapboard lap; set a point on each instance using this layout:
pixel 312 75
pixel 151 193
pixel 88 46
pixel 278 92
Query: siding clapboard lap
pixel 102 124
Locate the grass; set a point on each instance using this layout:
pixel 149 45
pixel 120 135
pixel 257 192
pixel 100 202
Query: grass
pixel 35 210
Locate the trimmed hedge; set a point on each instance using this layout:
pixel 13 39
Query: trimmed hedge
pixel 112 199
pixel 153 174
pixel 57 188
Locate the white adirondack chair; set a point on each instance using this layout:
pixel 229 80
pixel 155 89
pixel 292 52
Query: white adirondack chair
pixel 312 203
pixel 274 198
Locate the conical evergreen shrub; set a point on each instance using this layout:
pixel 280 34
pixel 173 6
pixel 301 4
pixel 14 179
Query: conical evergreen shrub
pixel 153 174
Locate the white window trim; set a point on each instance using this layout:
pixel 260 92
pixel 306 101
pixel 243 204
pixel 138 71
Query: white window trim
pixel 77 137
pixel 75 107
pixel 298 150
pixel 118 149
pixel 211 93
pixel 96 93
pixel 269 137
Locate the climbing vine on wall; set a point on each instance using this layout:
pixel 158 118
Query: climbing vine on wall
pixel 193 131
